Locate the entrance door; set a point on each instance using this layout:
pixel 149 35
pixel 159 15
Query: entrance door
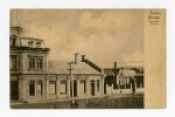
pixel 92 88
pixel 75 88
pixel 104 88
pixel 14 93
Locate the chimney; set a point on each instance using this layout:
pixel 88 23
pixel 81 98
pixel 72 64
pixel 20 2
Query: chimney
pixel 83 58
pixel 115 65
pixel 76 58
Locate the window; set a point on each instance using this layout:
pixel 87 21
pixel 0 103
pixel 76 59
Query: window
pixel 122 83
pixel 128 82
pixel 40 87
pixel 13 61
pixel 63 87
pixel 32 88
pixel 30 43
pixel 84 84
pixel 31 62
pixel 13 40
pixel 52 87
pixel 98 85
pixel 38 44
pixel 139 82
pixel 39 63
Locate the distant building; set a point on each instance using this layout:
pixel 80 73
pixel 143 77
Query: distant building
pixel 34 78
pixel 119 79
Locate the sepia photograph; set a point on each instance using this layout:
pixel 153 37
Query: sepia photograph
pixel 80 58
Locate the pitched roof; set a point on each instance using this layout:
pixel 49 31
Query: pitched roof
pixel 93 65
pixel 62 67
pixel 111 71
pixel 58 67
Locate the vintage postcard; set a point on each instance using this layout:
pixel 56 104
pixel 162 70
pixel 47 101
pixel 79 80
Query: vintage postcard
pixel 87 58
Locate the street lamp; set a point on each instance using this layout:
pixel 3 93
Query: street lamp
pixel 72 82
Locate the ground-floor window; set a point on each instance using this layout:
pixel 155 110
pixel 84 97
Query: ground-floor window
pixel 92 88
pixel 84 85
pixel 98 85
pixel 31 88
pixel 52 87
pixel 117 84
pixel 128 82
pixel 139 82
pixel 39 87
pixel 122 83
pixel 63 87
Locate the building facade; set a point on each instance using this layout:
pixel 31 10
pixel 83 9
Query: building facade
pixel 34 78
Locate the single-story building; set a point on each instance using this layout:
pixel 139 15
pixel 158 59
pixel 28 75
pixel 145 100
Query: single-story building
pixel 123 80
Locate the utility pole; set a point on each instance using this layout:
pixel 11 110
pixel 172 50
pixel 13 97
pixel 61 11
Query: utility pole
pixel 72 82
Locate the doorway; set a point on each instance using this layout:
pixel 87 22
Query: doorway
pixel 92 88
pixel 14 92
pixel 75 88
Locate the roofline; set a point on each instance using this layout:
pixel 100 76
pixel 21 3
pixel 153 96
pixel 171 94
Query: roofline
pixel 31 38
pixel 110 68
pixel 52 74
pixel 123 68
pixel 28 48
pixel 16 27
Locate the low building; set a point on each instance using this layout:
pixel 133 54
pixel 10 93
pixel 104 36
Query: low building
pixel 123 80
pixel 34 78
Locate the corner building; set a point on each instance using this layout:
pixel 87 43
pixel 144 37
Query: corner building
pixel 33 78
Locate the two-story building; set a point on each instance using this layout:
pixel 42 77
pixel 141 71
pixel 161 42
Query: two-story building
pixel 34 78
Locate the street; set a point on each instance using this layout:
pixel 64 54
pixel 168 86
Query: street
pixel 110 102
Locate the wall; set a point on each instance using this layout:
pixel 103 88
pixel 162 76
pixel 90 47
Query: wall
pixel 25 62
pixel 101 87
pixel 18 60
pixel 24 88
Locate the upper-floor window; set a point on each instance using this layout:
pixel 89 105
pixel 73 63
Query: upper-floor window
pixel 39 63
pixel 38 44
pixel 31 62
pixel 13 40
pixel 13 61
pixel 35 62
pixel 30 43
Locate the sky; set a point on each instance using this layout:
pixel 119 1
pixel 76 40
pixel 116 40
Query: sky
pixel 104 36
